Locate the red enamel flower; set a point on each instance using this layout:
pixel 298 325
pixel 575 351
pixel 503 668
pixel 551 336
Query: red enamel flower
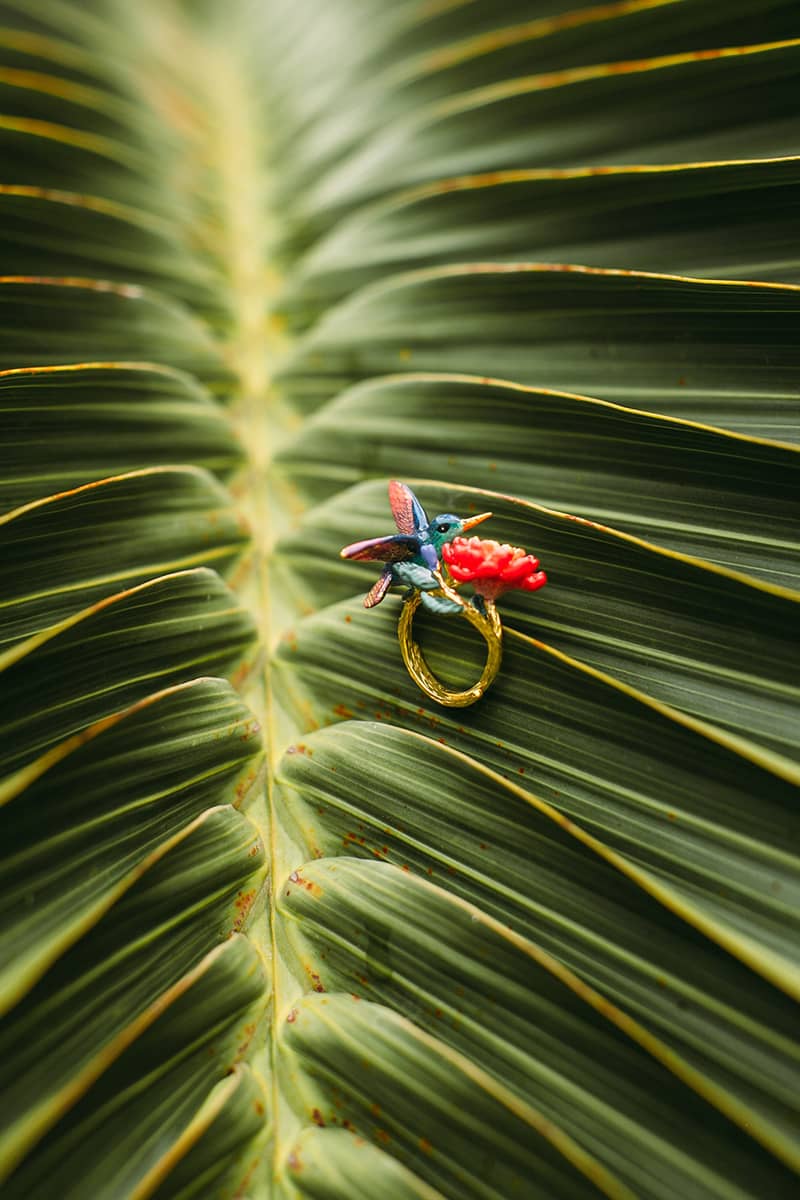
pixel 492 567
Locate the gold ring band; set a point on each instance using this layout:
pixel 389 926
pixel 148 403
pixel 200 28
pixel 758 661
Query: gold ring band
pixel 488 625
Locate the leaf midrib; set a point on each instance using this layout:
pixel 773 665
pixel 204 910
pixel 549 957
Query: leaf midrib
pixel 228 142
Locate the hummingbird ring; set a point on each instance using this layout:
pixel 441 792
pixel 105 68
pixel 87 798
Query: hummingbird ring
pixel 431 559
pixel 488 625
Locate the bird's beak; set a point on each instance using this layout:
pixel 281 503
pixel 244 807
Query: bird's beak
pixel 473 521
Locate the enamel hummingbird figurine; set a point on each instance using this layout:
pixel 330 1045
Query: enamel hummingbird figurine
pixel 412 554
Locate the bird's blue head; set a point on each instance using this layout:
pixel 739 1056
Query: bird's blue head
pixel 447 526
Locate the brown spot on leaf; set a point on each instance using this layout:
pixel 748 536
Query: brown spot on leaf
pixel 248 1033
pixel 243 903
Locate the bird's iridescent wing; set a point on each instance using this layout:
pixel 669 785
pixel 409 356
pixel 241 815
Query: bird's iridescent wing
pixel 394 548
pixel 409 515
pixel 379 589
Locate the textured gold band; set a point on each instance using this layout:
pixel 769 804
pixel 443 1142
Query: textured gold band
pixel 488 626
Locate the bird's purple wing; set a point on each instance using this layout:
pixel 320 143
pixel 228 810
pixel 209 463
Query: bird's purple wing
pixel 379 589
pixel 394 548
pixel 409 515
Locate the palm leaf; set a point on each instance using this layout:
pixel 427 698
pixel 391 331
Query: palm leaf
pixel 276 925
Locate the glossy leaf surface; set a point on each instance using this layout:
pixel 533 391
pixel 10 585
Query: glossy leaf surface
pixel 274 923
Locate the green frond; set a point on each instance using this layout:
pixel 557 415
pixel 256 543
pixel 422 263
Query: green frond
pixel 275 924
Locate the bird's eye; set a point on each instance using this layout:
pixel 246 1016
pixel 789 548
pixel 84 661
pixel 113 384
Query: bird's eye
pixel 443 528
